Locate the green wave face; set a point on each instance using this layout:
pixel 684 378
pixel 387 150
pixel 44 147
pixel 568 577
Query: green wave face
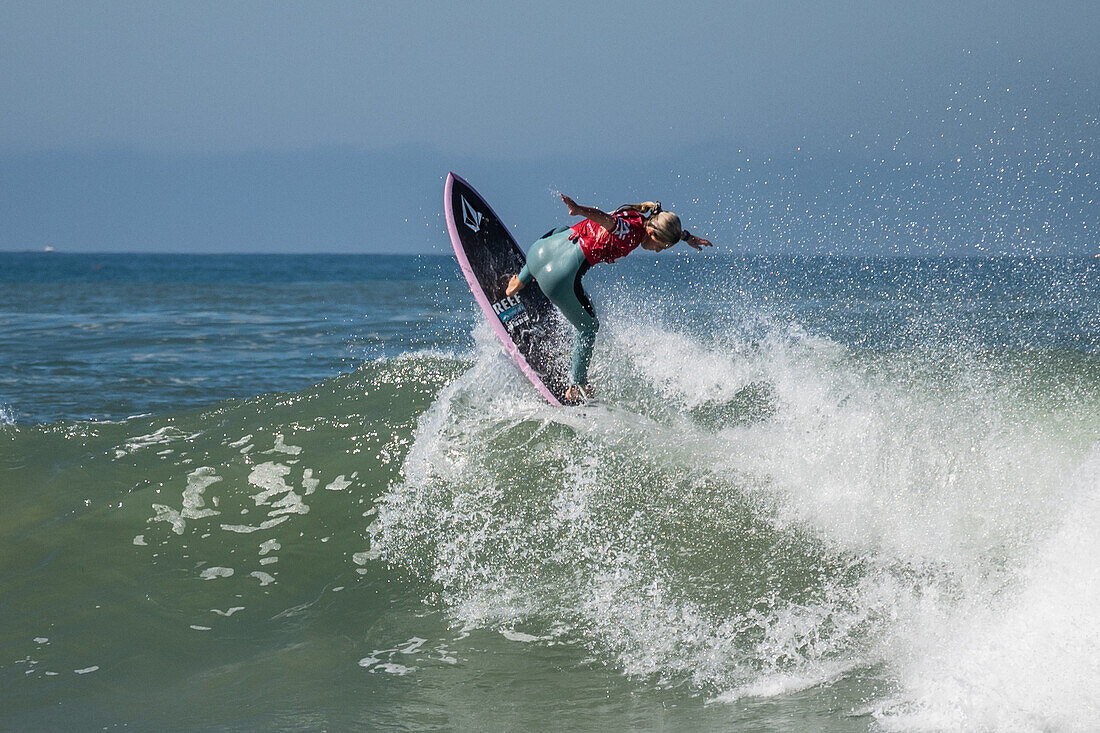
pixel 784 523
pixel 200 567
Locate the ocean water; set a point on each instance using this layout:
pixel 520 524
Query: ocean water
pixel 311 493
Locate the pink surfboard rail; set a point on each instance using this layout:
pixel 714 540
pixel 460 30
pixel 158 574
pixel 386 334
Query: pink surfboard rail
pixel 479 294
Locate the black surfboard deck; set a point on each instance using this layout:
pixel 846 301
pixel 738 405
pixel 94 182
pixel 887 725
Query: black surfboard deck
pixel 526 323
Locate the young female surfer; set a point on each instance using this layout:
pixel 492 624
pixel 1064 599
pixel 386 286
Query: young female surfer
pixel 560 258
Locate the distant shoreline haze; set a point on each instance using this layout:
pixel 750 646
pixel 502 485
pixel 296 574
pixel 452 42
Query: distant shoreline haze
pixel 349 202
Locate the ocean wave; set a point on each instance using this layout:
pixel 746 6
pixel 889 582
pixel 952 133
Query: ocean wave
pixel 747 513
pixel 753 513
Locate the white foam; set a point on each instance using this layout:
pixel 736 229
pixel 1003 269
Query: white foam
pixel 362 558
pixel 374 663
pixel 193 504
pixel 241 442
pixel 264 578
pixel 928 491
pixel 679 366
pixel 338 484
pixel 309 483
pixel 165 513
pixel 270 478
pixel 412 645
pixel 197 482
pixel 228 612
pixel 216 572
pixel 291 503
pixel 250 528
pixel 161 436
pixel 282 447
pixel 394 669
pixel 1026 659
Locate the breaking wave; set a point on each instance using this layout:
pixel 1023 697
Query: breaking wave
pixel 757 512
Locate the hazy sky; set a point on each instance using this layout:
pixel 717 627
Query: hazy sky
pixel 843 127
pixel 503 79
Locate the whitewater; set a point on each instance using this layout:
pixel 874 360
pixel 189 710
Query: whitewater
pixel 815 493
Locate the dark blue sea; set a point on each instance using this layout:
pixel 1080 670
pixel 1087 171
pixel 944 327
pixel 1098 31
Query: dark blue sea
pixel 312 493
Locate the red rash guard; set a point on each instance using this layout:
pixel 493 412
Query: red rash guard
pixel 600 245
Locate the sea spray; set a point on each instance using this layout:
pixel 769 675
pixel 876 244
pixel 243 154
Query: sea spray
pixel 1025 652
pixel 806 536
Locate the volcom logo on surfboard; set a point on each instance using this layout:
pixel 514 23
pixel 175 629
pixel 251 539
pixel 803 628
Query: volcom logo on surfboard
pixel 471 216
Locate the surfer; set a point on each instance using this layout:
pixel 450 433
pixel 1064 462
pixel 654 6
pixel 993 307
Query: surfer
pixel 561 257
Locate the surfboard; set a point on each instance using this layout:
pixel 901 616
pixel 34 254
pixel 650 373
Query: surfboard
pixel 526 323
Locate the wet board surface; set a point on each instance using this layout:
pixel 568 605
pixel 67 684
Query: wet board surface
pixel 526 323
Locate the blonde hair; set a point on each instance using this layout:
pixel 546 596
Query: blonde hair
pixel 666 225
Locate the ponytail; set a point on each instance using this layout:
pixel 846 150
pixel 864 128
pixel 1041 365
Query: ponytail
pixel 646 208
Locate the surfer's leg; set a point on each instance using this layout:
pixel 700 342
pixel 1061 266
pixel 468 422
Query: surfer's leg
pixel 559 264
pixel 573 302
pixel 583 344
pixel 587 324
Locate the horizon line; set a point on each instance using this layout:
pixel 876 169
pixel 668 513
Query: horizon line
pixel 743 255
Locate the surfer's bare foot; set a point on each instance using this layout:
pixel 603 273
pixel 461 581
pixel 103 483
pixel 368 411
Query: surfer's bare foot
pixel 578 393
pixel 514 286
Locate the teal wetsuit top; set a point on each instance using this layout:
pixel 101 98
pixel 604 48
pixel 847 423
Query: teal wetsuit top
pixel 557 262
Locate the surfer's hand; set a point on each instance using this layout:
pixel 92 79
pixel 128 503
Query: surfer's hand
pixel 698 242
pixel 514 286
pixel 570 204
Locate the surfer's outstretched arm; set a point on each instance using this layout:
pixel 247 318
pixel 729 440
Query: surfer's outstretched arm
pixel 607 221
pixel 696 242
